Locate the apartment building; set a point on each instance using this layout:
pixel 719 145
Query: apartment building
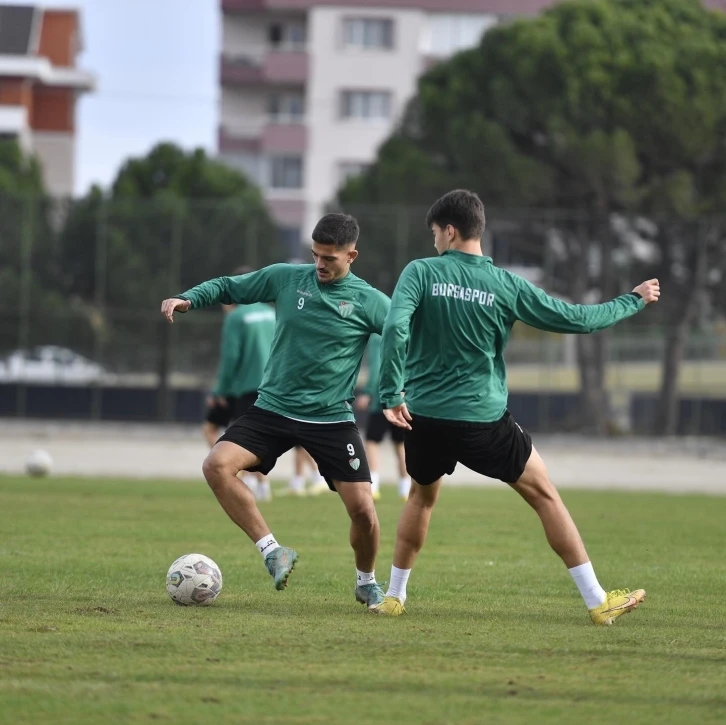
pixel 310 88
pixel 39 86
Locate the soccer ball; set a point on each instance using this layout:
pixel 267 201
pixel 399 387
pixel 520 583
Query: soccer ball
pixel 38 463
pixel 194 580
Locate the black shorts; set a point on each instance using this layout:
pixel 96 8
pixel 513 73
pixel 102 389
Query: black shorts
pixel 378 425
pixel 244 403
pixel 497 450
pixel 220 415
pixel 337 448
pixel 223 415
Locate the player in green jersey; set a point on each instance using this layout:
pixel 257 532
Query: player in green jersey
pixel 325 315
pixel 443 342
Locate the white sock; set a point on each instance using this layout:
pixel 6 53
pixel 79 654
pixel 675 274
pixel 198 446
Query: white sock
pixel 375 482
pixel 590 589
pixel 318 478
pixel 404 486
pixel 399 579
pixel 297 483
pixel 267 544
pixel 250 481
pixel 365 577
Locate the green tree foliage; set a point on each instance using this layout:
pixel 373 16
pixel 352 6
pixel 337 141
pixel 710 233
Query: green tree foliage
pixel 169 221
pixel 596 107
pixel 28 222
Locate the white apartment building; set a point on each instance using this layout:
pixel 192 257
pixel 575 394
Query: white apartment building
pixel 310 89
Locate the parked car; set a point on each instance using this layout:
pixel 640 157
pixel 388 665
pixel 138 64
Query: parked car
pixel 49 364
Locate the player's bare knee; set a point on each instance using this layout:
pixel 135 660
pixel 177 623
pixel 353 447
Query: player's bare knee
pixel 215 469
pixel 363 514
pixel 422 496
pixel 538 491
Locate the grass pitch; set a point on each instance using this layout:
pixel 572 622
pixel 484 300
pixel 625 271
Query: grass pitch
pixel 496 632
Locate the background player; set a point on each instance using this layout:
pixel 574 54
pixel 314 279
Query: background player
pixel 303 462
pixel 377 426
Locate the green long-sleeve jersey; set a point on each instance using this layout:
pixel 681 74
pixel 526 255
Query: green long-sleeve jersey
pixel 247 333
pixel 450 319
pixel 320 336
pixel 374 374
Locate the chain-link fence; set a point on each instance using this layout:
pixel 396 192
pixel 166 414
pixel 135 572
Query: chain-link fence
pixel 81 282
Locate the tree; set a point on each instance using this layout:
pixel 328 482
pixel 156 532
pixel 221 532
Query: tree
pixel 171 218
pixel 28 252
pixel 597 106
pixel 169 221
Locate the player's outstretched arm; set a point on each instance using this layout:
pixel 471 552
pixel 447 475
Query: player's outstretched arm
pixel 649 291
pixel 168 307
pixel 260 286
pixel 536 308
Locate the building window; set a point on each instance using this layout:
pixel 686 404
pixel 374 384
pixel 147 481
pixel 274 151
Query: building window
pixel 290 239
pixel 350 169
pixel 368 33
pixel 445 34
pixel 369 105
pixel 286 107
pixel 288 36
pixel 286 172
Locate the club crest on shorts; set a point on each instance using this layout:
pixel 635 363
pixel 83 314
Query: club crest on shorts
pixel 354 463
pixel 345 309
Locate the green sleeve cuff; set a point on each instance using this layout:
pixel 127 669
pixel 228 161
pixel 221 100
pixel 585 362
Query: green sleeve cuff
pixel 392 402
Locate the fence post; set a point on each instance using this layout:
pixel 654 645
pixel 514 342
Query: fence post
pixel 544 413
pixel 26 284
pixel 165 404
pixel 401 241
pixel 251 257
pixel 100 328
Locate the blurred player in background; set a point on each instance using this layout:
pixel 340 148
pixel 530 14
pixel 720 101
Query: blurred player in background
pixel 304 461
pixel 219 403
pixel 246 340
pixel 377 426
pixel 445 336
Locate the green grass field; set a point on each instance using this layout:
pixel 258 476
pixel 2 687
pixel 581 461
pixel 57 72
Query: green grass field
pixel 496 632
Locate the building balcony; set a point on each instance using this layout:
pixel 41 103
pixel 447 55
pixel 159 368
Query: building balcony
pixel 242 6
pixel 275 137
pixel 289 138
pixel 230 142
pixel 274 66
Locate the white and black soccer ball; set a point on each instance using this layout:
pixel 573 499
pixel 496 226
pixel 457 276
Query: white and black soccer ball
pixel 194 580
pixel 38 463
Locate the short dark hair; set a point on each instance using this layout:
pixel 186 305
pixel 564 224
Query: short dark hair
pixel 462 209
pixel 244 269
pixel 338 229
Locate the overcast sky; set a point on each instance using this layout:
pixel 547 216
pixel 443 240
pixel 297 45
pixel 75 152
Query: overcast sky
pixel 156 66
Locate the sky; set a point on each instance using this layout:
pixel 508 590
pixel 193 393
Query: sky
pixel 156 64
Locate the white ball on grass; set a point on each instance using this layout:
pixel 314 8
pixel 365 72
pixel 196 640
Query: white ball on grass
pixel 38 463
pixel 194 580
